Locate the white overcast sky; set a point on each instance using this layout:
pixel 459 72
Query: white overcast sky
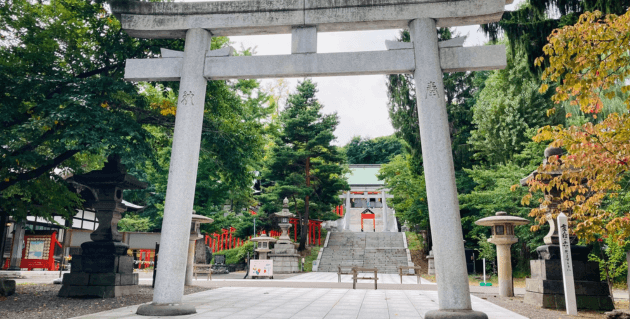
pixel 360 101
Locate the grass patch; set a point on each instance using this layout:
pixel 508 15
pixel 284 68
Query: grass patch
pixel 430 278
pixel 236 255
pixel 26 284
pixel 308 260
pixel 413 241
pixel 474 280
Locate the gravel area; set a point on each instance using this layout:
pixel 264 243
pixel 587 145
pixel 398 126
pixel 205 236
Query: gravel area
pixel 517 305
pixel 41 301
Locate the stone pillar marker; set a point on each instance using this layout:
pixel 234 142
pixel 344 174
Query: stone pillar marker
pixel 346 214
pixel 567 265
pixel 385 226
pixel 448 245
pixel 182 177
pixel 17 246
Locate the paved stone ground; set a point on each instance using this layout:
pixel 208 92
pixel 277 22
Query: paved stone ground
pixel 382 278
pixel 278 303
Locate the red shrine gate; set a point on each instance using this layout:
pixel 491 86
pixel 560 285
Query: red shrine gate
pixel 314 230
pixel 368 214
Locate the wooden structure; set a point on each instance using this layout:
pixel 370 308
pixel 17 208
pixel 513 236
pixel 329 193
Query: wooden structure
pixel 354 271
pixel 369 215
pixel 203 269
pixel 415 268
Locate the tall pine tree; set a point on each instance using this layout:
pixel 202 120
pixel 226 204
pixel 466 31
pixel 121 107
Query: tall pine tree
pixel 303 165
pixel 460 92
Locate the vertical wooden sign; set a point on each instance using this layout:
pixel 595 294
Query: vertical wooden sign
pixel 567 265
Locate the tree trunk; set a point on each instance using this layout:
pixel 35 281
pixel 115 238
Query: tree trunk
pixel 304 220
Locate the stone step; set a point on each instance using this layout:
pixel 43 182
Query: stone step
pixel 384 251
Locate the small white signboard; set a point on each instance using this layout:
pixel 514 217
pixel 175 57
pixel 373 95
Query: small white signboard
pixel 261 267
pixel 567 265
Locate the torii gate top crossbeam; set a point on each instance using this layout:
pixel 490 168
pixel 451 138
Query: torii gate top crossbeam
pixel 253 17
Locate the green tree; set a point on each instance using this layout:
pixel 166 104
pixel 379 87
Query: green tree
pixel 528 27
pixel 379 150
pixel 408 189
pixel 233 139
pixel 64 106
pixel 508 106
pixel 303 164
pixel 460 91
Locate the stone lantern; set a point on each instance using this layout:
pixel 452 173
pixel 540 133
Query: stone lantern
pixel 283 221
pixel 264 245
pixel 545 288
pixel 503 236
pixel 285 256
pixel 103 269
pixel 195 233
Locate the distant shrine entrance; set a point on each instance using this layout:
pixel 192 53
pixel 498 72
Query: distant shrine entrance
pixel 366 191
pixel 424 57
pixel 368 215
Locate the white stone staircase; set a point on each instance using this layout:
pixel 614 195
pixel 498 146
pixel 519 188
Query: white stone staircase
pixel 383 250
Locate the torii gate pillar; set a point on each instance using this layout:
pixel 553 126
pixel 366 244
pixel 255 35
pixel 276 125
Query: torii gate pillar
pixel 182 179
pixel 450 260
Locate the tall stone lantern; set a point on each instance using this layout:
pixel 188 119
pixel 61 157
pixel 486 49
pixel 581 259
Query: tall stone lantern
pixel 545 288
pixel 503 236
pixel 283 221
pixel 285 256
pixel 263 245
pixel 195 234
pixel 104 269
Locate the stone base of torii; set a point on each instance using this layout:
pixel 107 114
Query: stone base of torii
pixel 424 57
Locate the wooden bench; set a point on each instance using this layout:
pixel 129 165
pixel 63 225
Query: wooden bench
pixel 202 269
pixel 355 277
pixel 416 272
pixel 354 271
pixel 339 272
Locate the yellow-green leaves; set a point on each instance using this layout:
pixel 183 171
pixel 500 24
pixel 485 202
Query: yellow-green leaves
pixel 587 60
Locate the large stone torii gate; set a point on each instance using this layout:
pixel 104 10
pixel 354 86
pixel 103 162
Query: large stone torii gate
pixel 424 57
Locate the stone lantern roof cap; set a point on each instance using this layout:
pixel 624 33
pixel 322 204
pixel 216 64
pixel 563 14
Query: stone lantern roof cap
pixel 264 237
pixel 549 151
pixel 201 219
pixel 502 218
pixel 285 210
pixel 112 174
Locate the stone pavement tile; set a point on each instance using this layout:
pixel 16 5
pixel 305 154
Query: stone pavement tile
pixel 210 314
pixel 276 316
pixel 281 303
pixel 379 305
pixel 239 316
pixel 373 314
pixel 340 316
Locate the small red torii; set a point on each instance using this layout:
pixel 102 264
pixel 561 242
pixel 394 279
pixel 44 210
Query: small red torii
pixel 314 230
pixel 369 215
